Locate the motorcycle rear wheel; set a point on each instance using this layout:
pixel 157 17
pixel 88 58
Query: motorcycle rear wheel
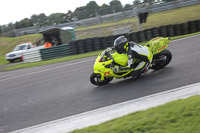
pixel 161 59
pixel 96 79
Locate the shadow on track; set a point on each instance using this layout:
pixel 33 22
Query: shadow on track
pixel 150 79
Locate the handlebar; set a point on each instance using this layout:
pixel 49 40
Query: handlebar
pixel 109 54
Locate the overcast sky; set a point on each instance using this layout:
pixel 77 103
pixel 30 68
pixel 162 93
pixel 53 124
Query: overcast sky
pixel 16 10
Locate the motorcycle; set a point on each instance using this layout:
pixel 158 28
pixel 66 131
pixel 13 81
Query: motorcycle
pixel 107 62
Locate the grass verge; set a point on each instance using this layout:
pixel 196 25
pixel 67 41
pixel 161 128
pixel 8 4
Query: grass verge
pixel 33 64
pixel 173 16
pixel 182 116
pixel 3 60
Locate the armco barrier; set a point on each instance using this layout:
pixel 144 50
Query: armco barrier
pixel 55 52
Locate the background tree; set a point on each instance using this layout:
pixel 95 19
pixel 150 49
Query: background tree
pixel 167 0
pixel 23 23
pixel 69 17
pixel 92 7
pixel 81 13
pixel 10 27
pixel 136 3
pixel 56 18
pixel 127 7
pixel 90 10
pixel 105 9
pixel 40 20
pixel 148 1
pixel 116 5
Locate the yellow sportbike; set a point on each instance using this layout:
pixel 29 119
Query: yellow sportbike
pixel 107 62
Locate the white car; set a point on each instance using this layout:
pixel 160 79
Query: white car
pixel 18 52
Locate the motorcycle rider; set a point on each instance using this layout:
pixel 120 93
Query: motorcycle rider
pixel 133 50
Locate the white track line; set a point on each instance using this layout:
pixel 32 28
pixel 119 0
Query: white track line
pixel 101 115
pixel 46 70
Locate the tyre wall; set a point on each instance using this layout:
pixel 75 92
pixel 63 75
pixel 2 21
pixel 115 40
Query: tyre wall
pixel 97 43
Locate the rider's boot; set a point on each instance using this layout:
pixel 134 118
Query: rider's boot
pixel 136 74
pixel 138 70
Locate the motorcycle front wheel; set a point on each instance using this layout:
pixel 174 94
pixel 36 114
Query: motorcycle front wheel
pixel 96 79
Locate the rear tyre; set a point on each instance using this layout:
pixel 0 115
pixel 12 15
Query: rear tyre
pixel 96 79
pixel 161 59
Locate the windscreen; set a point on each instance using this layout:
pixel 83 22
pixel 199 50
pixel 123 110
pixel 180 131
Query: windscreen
pixel 19 47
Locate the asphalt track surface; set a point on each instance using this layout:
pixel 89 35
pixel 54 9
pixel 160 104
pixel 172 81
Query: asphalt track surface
pixel 36 95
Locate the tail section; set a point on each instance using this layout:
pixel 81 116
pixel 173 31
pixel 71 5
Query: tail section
pixel 158 44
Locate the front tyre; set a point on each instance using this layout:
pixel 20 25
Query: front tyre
pixel 96 79
pixel 11 61
pixel 161 59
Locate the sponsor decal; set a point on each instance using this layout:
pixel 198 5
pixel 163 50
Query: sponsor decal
pixel 106 73
pixel 162 48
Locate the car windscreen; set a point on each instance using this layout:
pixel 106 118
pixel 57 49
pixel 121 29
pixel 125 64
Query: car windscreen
pixel 19 47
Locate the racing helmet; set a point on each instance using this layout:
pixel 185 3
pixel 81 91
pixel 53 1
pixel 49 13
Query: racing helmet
pixel 119 44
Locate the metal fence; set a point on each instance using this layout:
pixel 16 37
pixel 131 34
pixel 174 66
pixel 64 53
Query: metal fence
pixel 109 17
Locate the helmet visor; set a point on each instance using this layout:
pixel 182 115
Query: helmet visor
pixel 120 49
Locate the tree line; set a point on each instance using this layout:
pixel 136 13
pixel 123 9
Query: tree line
pixel 92 9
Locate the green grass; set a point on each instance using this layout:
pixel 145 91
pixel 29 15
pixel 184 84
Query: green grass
pixel 33 64
pixel 182 116
pixel 174 16
pixel 3 60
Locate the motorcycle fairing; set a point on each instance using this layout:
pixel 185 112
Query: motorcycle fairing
pixel 99 67
pixel 158 44
pixel 120 59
